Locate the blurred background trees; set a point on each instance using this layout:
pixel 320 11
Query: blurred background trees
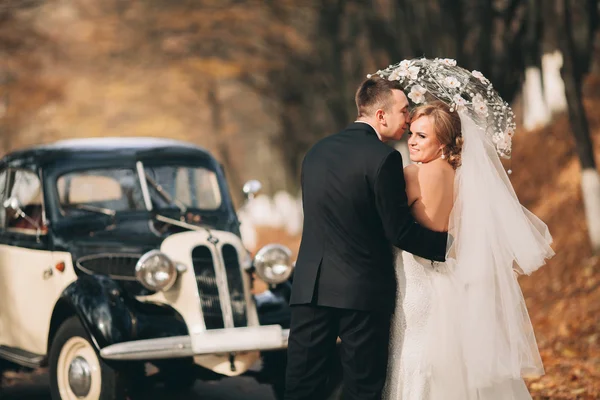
pixel 577 23
pixel 259 81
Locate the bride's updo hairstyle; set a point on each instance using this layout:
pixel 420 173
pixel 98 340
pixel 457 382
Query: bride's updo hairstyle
pixel 447 128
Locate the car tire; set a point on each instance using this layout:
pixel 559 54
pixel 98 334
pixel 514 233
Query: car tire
pixel 77 371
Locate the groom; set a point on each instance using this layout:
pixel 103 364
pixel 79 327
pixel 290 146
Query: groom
pixel 355 209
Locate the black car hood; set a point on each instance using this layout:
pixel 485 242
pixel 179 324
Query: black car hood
pixel 124 234
pixel 123 237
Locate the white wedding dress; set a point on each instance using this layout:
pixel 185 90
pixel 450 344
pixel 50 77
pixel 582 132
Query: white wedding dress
pixel 410 370
pixel 461 330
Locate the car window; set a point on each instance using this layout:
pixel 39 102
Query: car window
pixel 112 189
pixel 195 187
pixel 26 188
pixel 208 195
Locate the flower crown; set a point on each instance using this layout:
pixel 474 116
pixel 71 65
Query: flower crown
pixel 462 90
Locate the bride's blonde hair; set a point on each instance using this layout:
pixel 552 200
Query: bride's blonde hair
pixel 447 128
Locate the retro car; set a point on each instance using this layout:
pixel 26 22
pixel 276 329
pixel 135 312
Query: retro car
pixel 116 253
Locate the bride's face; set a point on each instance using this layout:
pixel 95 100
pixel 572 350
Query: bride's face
pixel 423 143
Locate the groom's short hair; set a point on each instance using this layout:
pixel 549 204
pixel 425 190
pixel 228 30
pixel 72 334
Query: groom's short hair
pixel 374 93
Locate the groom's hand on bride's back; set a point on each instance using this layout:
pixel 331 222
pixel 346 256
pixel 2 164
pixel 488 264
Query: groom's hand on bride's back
pixel 400 226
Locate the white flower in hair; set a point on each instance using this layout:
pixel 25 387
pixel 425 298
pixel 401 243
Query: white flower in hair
pixel 413 72
pixel 404 70
pixel 479 76
pixel 395 75
pixel 459 102
pixel 448 61
pixel 417 94
pixel 479 105
pixel 404 64
pixel 452 82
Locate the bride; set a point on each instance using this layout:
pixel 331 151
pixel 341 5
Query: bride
pixel 461 330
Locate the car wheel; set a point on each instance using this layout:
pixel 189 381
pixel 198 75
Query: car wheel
pixel 76 370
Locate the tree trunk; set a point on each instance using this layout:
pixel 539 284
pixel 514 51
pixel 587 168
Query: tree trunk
pixel 332 54
pixel 571 74
pixel 554 86
pixel 486 37
pixel 222 144
pixel 535 110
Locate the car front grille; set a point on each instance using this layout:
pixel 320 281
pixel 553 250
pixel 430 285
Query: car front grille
pixel 204 269
pixel 236 286
pixel 211 292
pixel 118 266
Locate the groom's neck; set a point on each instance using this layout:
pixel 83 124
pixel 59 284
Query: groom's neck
pixel 368 121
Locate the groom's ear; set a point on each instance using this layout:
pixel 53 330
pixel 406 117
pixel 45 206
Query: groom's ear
pixel 380 115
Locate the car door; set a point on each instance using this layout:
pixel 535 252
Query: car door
pixel 29 282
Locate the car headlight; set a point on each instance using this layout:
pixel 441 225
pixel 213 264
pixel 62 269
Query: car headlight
pixel 156 271
pixel 273 263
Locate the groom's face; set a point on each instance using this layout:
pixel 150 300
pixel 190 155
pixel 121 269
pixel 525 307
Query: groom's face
pixel 396 118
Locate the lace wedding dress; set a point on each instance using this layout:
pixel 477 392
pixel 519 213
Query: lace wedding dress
pixel 414 373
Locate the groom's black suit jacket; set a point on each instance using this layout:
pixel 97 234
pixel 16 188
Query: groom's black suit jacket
pixel 355 209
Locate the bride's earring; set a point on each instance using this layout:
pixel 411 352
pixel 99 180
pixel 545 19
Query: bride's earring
pixel 443 156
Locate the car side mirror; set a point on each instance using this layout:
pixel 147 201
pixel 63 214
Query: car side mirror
pixel 251 188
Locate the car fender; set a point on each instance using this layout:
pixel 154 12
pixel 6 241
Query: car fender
pixel 110 315
pixel 99 303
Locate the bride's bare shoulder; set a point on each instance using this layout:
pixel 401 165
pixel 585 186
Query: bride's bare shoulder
pixel 437 168
pixel 428 174
pixel 428 170
pixel 411 170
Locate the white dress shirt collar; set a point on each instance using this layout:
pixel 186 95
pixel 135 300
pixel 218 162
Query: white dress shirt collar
pixel 364 122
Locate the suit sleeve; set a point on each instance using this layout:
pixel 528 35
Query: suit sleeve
pixel 399 225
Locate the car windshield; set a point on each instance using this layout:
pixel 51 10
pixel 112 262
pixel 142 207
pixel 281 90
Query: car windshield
pixel 183 187
pixel 106 191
